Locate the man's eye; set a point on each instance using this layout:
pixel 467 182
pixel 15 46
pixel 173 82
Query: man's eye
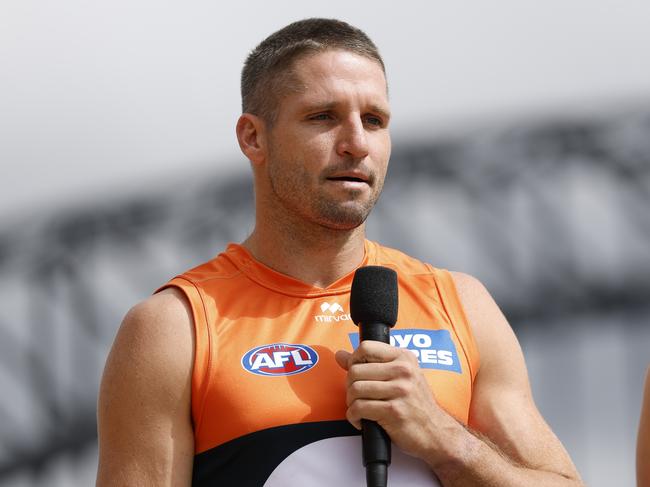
pixel 370 120
pixel 320 116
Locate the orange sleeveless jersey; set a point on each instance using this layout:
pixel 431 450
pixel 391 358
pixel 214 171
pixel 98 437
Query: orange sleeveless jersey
pixel 268 399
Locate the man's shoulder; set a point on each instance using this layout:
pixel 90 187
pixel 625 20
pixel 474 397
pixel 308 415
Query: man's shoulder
pixel 468 285
pixel 476 299
pixel 167 305
pixel 161 323
pixel 145 389
pixel 404 263
pixel 227 263
pixel 490 327
pixel 155 338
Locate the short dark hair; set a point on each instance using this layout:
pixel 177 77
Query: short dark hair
pixel 267 71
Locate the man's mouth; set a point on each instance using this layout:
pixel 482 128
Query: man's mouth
pixel 354 176
pixel 348 178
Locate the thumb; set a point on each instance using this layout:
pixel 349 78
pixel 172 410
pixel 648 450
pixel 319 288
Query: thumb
pixel 343 359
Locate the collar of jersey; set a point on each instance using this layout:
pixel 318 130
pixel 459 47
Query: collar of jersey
pixel 281 283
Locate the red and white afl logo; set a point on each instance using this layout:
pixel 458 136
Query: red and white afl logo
pixel 279 359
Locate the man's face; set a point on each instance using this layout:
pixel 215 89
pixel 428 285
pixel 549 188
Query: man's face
pixel 329 146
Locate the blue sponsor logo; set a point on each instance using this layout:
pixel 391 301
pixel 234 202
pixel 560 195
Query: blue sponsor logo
pixel 279 359
pixel 433 348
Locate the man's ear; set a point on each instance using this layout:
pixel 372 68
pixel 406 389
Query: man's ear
pixel 251 135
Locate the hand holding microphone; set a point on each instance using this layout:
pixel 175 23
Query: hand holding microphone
pixel 373 306
pixel 384 379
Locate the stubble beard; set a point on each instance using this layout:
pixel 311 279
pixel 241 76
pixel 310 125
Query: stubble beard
pixel 292 191
pixel 337 216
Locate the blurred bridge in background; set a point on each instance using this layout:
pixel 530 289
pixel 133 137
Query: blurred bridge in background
pixel 553 217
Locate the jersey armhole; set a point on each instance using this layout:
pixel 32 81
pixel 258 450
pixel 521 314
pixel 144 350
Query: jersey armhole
pixel 202 346
pixel 454 307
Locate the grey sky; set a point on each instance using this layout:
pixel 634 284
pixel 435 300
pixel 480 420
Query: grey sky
pixel 104 98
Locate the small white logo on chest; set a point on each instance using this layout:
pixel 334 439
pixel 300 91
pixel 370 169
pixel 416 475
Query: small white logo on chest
pixel 332 308
pixel 332 312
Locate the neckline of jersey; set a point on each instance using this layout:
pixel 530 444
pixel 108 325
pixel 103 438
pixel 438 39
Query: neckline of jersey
pixel 284 284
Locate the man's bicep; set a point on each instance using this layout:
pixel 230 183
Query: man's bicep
pixel 503 410
pixel 502 405
pixel 144 425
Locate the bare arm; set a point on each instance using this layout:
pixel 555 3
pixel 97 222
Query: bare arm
pixel 144 421
pixel 503 409
pixel 643 439
pixel 386 385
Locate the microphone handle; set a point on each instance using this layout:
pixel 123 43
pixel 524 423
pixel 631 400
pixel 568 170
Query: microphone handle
pixel 380 332
pixel 375 441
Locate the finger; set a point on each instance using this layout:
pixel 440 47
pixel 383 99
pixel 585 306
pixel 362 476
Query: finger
pixel 370 409
pixel 375 390
pixel 373 351
pixel 343 359
pixel 369 371
pixel 404 367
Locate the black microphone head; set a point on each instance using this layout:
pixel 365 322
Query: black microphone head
pixel 373 298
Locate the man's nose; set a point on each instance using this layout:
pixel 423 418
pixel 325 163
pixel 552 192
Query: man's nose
pixel 353 141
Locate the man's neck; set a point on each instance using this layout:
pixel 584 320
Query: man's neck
pixel 317 256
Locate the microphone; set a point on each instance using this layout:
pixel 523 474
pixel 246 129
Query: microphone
pixel 373 308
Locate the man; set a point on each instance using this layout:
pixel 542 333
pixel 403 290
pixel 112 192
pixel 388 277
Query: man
pixel 643 438
pixel 243 370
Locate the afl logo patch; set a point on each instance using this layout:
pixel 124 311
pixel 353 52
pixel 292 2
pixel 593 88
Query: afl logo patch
pixel 279 359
